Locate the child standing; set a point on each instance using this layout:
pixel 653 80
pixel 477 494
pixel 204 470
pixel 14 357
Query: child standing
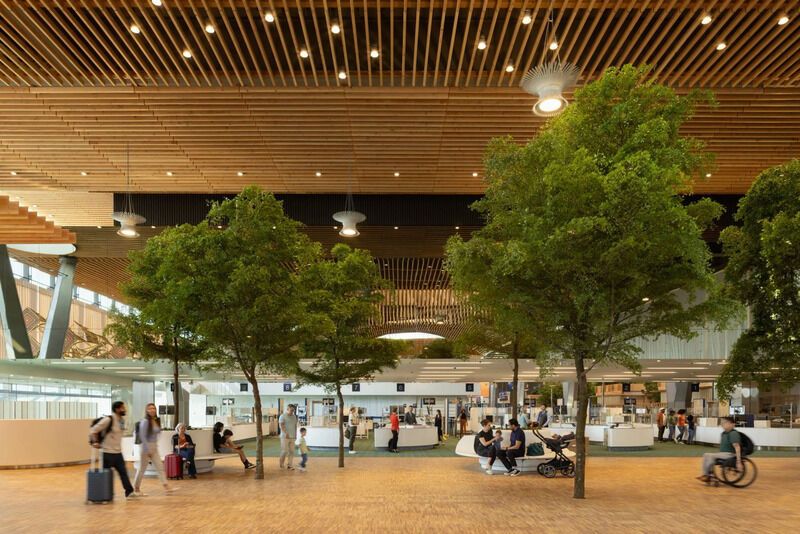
pixel 301 444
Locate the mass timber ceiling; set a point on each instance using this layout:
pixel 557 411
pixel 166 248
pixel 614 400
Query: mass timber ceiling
pixel 76 86
pixel 18 225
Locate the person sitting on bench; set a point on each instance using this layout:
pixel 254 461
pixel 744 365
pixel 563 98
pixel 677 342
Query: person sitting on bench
pixel 229 447
pixel 485 446
pixel 516 444
pixel 183 445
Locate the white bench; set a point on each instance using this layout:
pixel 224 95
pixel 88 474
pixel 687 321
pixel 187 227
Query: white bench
pixel 466 447
pixel 204 455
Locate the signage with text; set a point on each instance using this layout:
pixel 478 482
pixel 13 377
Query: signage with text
pixel 328 401
pixel 429 401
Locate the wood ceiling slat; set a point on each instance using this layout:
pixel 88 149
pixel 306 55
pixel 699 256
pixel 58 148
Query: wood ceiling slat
pixel 501 68
pixel 415 45
pixel 465 40
pixel 380 42
pixel 427 46
pixel 273 48
pixel 195 45
pixel 286 52
pixel 100 16
pixel 340 38
pixel 308 47
pixel 490 40
pixel 439 46
pixel 58 33
pixel 519 70
pixel 320 50
pixel 296 46
pixel 71 15
pixel 452 44
pixel 403 34
pixel 356 47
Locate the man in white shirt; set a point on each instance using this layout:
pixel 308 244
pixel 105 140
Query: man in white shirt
pixel 111 427
pixel 352 427
pixel 288 425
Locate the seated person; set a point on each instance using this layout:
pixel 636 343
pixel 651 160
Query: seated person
pixel 218 440
pixel 498 440
pixel 516 445
pixel 485 447
pixel 228 446
pixel 730 446
pixel 183 445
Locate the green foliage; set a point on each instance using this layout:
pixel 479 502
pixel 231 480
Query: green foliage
pixel 587 231
pixel 550 392
pixel 442 349
pixel 652 392
pixel 343 293
pixel 764 273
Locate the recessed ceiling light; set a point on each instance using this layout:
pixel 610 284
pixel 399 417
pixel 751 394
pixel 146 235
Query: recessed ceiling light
pixel 84 173
pixel 526 18
pixel 169 173
pixel 474 174
pixel 240 173
pixel 374 53
pixel 396 174
pixel 187 54
pixel 156 2
pixel 342 75
pixel 458 228
pixel 335 28
pixel 783 20
pixel 99 226
pixel 721 46
pixel 645 299
pixel 509 68
pixel 554 45
pixel 708 175
pixel 34 206
pixel 303 53
pixel 152 227
pixel 706 20
pixel 135 29
pixel 269 17
pixel 13 173
pixel 318 174
pixel 482 44
pixel 219 226
pixel 396 227
pixel 210 28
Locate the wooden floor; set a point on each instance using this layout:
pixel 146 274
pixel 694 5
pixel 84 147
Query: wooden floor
pixel 431 495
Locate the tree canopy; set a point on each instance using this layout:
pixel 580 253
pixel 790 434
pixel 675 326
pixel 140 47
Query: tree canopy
pixel 586 224
pixel 763 272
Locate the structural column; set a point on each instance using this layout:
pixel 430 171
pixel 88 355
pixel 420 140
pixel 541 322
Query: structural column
pixel 15 334
pixel 679 395
pixel 55 329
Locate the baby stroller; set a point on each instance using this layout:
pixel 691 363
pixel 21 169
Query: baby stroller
pixel 560 462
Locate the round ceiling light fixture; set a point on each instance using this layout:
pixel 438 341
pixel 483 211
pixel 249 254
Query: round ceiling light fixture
pixel 349 219
pixel 335 28
pixel 526 18
pixel 210 28
pixel 783 20
pixel 706 20
pixel 509 68
pixel 156 3
pixel 269 17
pixel 127 218
pixel 304 53
pixel 553 45
pixel 548 82
pixel 187 54
pixel 342 75
pixel 721 46
pixel 482 44
pixel 374 53
pixel 135 28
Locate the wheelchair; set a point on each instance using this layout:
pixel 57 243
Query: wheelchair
pixel 725 472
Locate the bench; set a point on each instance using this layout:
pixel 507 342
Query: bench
pixel 466 447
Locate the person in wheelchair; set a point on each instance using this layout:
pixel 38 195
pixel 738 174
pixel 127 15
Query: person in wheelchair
pixel 730 446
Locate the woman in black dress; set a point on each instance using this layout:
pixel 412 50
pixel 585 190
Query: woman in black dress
pixel 437 421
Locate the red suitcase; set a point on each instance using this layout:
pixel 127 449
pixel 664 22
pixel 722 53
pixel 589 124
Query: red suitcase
pixel 174 466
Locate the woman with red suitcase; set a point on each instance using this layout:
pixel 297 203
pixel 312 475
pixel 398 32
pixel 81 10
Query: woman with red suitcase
pixel 183 446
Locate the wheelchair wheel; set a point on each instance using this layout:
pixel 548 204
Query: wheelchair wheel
pixel 740 479
pixel 568 471
pixel 548 471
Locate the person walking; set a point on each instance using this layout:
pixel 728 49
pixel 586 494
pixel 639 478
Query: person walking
pixel 730 445
pixel 690 423
pixel 437 422
pixel 148 431
pixel 288 425
pixel 661 423
pixel 303 448
pixel 523 419
pixel 681 422
pixel 542 418
pixel 462 423
pixel 394 426
pixel 671 420
pixel 352 427
pixel 112 428
pixel 183 446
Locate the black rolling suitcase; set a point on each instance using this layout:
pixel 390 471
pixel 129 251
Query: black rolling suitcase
pixel 99 481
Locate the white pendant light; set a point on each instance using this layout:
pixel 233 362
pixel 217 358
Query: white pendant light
pixel 349 217
pixel 549 81
pixel 127 218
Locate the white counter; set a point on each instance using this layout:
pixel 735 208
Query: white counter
pixel 762 437
pixel 629 437
pixel 409 437
pixel 43 442
pixel 323 437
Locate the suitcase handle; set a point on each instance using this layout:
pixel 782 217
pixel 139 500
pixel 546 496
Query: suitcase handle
pixel 99 465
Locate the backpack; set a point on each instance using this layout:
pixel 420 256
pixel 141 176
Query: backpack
pixel 535 449
pixel 746 444
pixel 479 447
pixel 101 436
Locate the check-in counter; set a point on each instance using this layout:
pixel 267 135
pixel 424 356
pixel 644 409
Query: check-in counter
pixel 43 442
pixel 629 437
pixel 409 437
pixel 323 437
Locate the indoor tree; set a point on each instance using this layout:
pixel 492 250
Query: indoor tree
pixel 587 224
pixel 343 295
pixel 158 326
pixel 243 283
pixel 763 272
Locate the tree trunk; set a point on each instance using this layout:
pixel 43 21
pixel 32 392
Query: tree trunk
pixel 259 431
pixel 578 491
pixel 513 395
pixel 176 394
pixel 341 426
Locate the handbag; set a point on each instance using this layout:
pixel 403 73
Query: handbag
pixel 347 433
pixel 535 449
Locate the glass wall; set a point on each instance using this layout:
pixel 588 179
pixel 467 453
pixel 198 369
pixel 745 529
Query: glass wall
pixel 52 399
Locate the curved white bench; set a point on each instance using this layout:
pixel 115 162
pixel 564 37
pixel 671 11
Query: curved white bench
pixel 466 447
pixel 204 455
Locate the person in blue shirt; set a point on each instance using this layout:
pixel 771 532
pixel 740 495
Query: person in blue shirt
pixel 516 446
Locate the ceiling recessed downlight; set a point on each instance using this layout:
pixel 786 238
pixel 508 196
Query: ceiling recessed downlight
pixel 374 53
pixel 170 173
pixel 482 44
pixel 303 53
pixel 84 173
pixel 318 174
pixel 396 174
pixel 210 28
pixel 509 68
pixel 240 173
pixel 721 46
pixel 474 174
pixel 156 2
pixel 342 75
pixel 783 20
pixel 13 173
pixel 269 17
pixel 335 28
pixel 553 45
pixel 706 20
pixel 708 175
pixel 526 18
pixel 135 29
pixel 187 54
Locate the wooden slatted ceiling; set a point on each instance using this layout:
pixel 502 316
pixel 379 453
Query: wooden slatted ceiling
pixel 421 43
pixel 280 138
pixel 18 225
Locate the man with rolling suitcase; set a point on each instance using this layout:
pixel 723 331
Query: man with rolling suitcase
pixel 106 434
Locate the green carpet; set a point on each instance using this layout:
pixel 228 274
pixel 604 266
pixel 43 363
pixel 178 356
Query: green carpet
pixel 364 447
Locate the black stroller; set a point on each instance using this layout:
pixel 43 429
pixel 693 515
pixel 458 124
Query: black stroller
pixel 560 462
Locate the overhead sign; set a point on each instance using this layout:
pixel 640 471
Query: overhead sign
pixel 695 387
pixel 328 401
pixel 287 387
pixel 429 401
pixel 630 401
pixel 227 401
pixel 470 388
pixel 626 387
pixel 401 388
pixel 355 387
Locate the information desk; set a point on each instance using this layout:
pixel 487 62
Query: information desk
pixel 43 442
pixel 323 437
pixel 628 438
pixel 410 437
